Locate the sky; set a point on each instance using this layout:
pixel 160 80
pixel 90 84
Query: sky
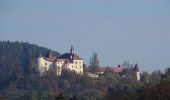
pixel 117 30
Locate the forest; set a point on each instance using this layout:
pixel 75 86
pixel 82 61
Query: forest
pixel 20 80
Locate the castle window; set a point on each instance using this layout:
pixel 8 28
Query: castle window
pixel 80 62
pixel 72 66
pixel 76 66
pixel 45 63
pixel 80 66
pixel 68 65
pixel 76 62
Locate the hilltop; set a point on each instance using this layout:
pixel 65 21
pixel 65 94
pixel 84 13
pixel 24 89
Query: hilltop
pixel 19 80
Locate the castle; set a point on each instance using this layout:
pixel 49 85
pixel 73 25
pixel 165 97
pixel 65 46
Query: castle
pixel 135 70
pixel 71 61
pixel 68 61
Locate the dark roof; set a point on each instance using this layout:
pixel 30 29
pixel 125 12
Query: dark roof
pixel 67 56
pixel 136 68
pixel 76 57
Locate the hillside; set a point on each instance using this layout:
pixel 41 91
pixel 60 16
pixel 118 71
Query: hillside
pixel 21 52
pixel 19 80
pixel 16 50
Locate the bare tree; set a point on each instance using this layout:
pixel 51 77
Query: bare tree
pixel 94 63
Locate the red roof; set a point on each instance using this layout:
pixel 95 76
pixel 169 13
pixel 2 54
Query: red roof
pixel 50 59
pixel 54 59
pixel 59 60
pixel 117 68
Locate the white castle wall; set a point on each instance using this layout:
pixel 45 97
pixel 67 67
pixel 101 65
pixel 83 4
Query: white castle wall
pixel 138 76
pixel 40 63
pixel 76 66
pixel 44 65
pixel 59 66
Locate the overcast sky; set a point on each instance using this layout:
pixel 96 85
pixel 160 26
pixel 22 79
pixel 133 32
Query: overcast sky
pixel 117 30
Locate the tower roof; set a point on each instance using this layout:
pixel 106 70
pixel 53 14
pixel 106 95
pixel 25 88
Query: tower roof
pixel 72 49
pixel 136 68
pixel 49 54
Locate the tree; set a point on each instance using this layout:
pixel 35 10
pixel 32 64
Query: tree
pixel 94 63
pixel 166 77
pixel 145 78
pixel 155 77
pixel 126 64
pixel 121 91
pixel 60 97
pixel 32 95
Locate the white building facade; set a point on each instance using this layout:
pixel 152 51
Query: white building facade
pixel 68 61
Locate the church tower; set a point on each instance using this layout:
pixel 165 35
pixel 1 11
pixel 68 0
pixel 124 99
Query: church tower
pixel 137 71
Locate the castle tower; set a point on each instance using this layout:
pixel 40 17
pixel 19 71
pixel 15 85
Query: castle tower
pixel 72 51
pixel 137 71
pixel 49 54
